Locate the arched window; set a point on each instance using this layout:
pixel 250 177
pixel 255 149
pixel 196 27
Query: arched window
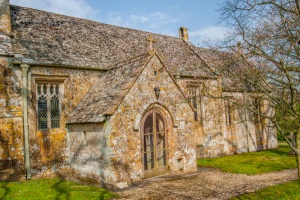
pixel 48 105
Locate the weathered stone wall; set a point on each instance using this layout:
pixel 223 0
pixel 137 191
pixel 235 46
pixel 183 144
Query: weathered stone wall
pixel 122 144
pixel 210 136
pixel 125 137
pixel 11 123
pixel 270 131
pixel 87 151
pixel 11 143
pixel 214 137
pixel 263 135
pixel 48 146
pixel 11 134
pixel 240 129
pixel 243 135
pixel 215 140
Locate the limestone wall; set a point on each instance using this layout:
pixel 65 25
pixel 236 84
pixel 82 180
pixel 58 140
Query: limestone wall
pixel 87 151
pixel 216 138
pixel 11 123
pixel 210 136
pixel 243 134
pixel 125 136
pixel 47 147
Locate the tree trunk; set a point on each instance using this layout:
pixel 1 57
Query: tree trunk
pixel 298 153
pixel 298 167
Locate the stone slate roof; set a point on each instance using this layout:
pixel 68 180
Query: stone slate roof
pixel 48 38
pixel 106 95
pixel 229 66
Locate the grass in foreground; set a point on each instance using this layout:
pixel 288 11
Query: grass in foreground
pixel 51 189
pixel 287 191
pixel 254 162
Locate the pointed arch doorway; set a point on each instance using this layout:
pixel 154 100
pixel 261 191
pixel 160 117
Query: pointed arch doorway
pixel 155 144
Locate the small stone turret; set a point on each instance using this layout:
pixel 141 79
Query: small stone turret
pixel 5 29
pixel 5 51
pixel 183 33
pixel 5 25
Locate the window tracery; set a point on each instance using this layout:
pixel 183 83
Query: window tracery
pixel 48 105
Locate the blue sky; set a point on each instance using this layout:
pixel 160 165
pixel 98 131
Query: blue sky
pixel 157 16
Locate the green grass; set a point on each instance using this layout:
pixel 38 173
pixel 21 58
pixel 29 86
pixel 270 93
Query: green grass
pixel 287 191
pixel 254 162
pixel 51 189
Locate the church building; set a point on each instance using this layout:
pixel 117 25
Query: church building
pixel 114 105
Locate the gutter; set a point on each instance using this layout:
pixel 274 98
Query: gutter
pixel 61 66
pixel 25 68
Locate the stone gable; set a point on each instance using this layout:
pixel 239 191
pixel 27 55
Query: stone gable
pixel 123 158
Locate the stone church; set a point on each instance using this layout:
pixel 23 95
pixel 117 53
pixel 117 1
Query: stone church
pixel 111 104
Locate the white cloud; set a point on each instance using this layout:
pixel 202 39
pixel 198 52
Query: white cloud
pixel 154 21
pixel 170 33
pixel 211 33
pixel 76 8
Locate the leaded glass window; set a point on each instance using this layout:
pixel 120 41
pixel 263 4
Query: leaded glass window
pixel 48 105
pixel 42 112
pixel 54 112
pixel 195 98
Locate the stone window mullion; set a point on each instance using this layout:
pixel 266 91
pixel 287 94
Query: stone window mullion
pixel 48 105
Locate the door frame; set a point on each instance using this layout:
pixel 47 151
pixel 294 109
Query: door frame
pixel 155 171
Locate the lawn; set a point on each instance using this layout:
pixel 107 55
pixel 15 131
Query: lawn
pixel 51 189
pixel 254 162
pixel 287 191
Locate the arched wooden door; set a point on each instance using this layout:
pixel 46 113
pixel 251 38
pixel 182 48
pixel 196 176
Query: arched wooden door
pixel 154 140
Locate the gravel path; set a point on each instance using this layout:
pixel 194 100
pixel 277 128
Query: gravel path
pixel 207 183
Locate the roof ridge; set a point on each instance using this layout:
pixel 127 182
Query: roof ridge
pixel 90 20
pixel 124 61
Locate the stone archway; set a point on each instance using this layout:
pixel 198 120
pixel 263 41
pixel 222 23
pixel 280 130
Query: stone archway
pixel 154 138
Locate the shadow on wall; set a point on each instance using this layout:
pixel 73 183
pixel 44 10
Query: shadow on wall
pixel 83 158
pixel 204 151
pixel 231 141
pixel 89 167
pixel 6 144
pixel 11 169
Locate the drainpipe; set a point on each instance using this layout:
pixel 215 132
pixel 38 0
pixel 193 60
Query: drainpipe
pixel 25 68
